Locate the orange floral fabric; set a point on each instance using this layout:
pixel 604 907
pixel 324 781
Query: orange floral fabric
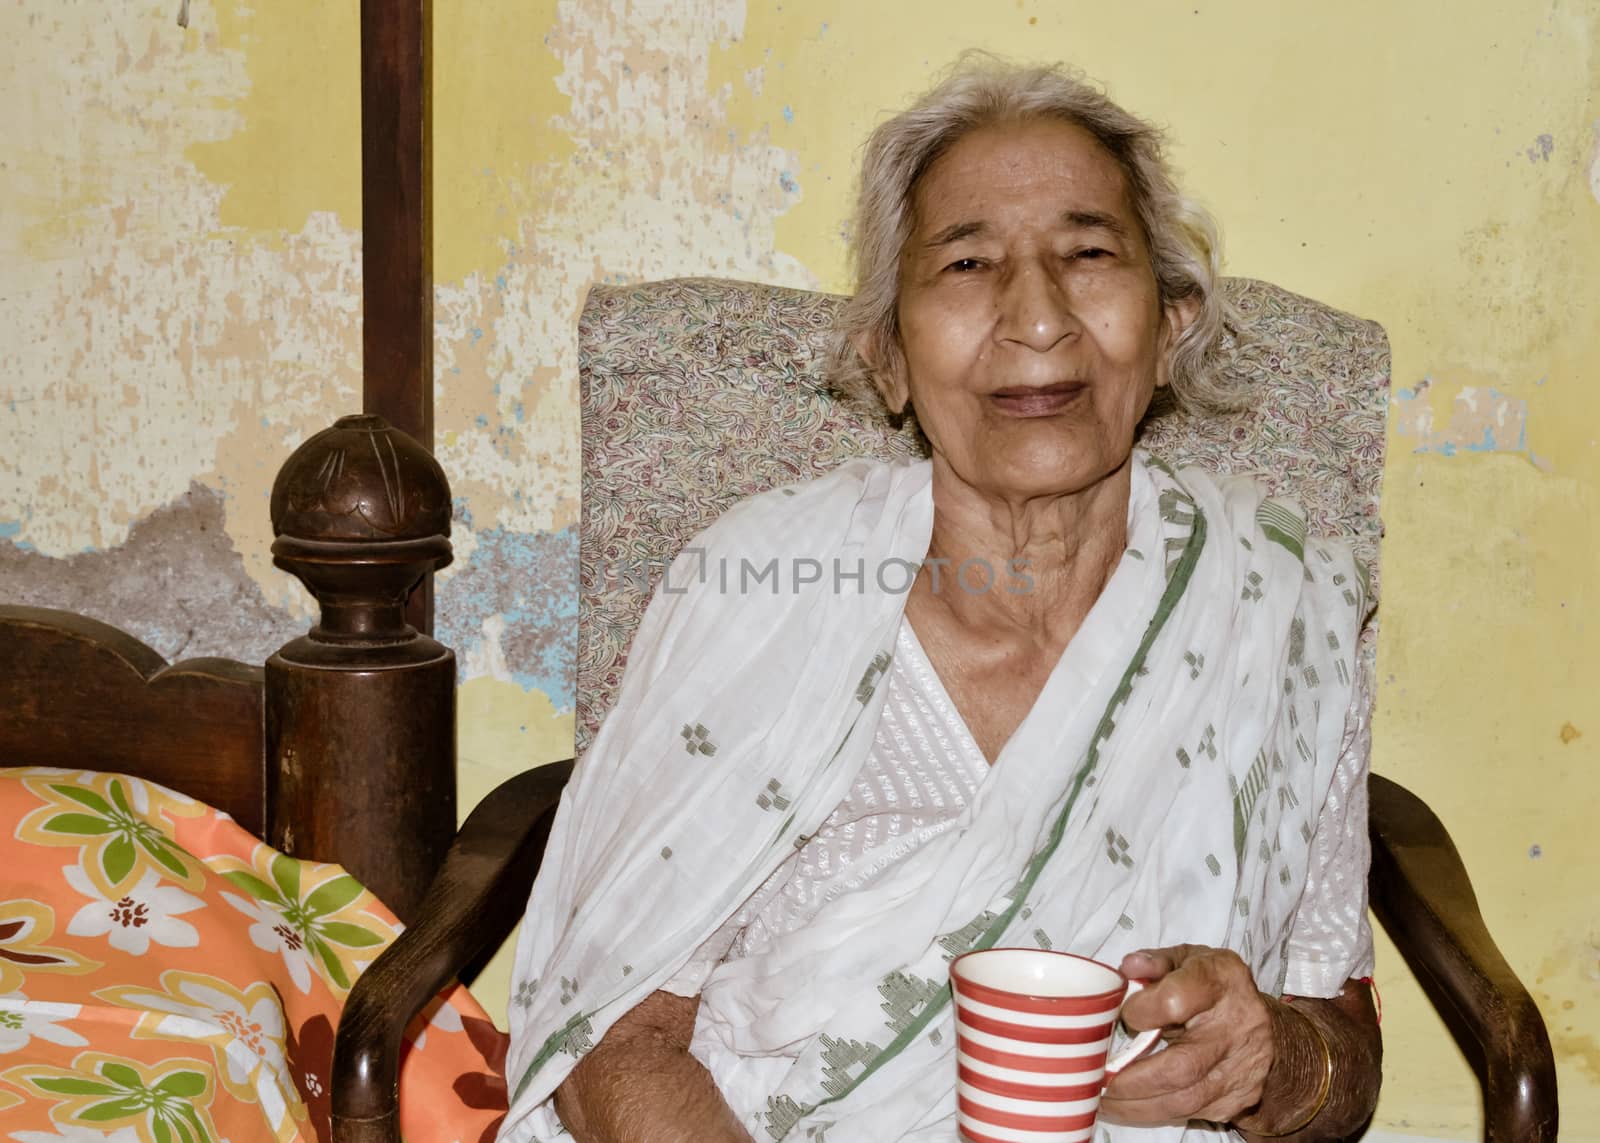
pixel 165 977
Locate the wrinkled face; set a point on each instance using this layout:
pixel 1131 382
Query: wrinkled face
pixel 1030 322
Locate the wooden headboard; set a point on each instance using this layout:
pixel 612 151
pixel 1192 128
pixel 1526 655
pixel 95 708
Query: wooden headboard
pixel 78 693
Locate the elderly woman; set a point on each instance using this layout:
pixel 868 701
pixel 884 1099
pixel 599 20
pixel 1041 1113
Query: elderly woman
pixel 1131 727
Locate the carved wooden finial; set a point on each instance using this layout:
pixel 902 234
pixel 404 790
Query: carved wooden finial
pixel 361 512
pixel 360 712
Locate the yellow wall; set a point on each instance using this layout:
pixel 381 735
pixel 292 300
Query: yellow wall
pixel 179 297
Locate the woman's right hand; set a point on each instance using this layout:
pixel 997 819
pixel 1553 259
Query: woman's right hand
pixel 641 1082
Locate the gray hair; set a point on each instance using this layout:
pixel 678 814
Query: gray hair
pixel 982 90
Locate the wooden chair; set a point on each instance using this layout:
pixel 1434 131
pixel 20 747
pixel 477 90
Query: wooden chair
pixel 696 393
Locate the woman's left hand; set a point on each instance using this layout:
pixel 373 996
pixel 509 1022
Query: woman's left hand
pixel 1220 1039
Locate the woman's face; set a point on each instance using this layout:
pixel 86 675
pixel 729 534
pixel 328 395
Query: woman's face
pixel 1030 322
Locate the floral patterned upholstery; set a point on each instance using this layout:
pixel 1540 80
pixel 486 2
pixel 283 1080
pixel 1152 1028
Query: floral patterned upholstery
pixel 697 393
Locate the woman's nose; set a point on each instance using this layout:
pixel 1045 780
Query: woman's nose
pixel 1035 310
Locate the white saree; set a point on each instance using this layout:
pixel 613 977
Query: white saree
pixel 1163 789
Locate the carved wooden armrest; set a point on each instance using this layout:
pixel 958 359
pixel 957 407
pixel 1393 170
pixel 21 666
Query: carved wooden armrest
pixel 478 894
pixel 1421 893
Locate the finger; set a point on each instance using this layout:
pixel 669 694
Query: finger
pixel 1173 1001
pixel 1179 1067
pixel 1167 1107
pixel 1186 1081
pixel 1153 964
pixel 1212 1100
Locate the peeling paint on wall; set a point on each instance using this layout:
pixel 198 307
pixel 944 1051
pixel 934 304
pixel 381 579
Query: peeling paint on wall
pixel 650 182
pixel 655 185
pixel 148 346
pixel 200 313
pixel 510 610
pixel 1480 420
pixel 176 583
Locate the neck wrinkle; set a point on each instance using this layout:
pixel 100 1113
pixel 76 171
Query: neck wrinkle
pixel 1050 557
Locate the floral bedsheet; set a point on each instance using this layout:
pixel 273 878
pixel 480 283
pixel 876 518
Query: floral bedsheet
pixel 165 977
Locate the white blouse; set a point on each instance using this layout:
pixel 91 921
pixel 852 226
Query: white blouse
pixel 925 767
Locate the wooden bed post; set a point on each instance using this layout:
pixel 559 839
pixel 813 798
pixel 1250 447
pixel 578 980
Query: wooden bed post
pixel 360 712
pixel 397 231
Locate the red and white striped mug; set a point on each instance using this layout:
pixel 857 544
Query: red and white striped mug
pixel 1033 1033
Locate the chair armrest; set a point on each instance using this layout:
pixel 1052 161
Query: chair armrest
pixel 1421 893
pixel 477 896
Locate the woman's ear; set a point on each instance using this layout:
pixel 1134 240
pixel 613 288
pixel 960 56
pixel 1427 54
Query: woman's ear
pixel 1176 317
pixel 887 368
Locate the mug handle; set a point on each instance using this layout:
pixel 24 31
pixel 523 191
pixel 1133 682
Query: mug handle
pixel 1140 1043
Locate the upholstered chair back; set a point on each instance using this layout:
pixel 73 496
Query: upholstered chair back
pixel 697 393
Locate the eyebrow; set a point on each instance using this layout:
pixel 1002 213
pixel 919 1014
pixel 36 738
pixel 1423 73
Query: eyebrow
pixel 1093 220
pixel 956 233
pixel 1073 219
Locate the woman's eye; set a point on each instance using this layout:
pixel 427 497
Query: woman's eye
pixel 965 265
pixel 1090 254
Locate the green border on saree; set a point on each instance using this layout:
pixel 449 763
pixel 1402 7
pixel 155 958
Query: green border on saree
pixel 1176 586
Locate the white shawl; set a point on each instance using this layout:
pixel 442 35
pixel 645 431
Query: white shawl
pixel 1163 789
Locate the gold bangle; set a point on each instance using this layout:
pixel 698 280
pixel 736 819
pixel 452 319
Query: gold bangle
pixel 1327 1082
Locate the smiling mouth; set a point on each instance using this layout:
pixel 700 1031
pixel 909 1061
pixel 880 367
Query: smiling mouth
pixel 1037 401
